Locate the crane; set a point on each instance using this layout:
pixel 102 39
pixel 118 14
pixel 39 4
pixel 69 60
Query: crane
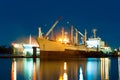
pixel 79 32
pixel 94 32
pixel 83 36
pixel 53 26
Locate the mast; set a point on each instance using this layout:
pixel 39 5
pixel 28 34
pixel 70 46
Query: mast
pixel 72 34
pixel 76 38
pixel 94 32
pixel 62 34
pixel 40 32
pixel 85 38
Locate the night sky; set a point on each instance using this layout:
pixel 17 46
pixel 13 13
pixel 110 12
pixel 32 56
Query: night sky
pixel 20 18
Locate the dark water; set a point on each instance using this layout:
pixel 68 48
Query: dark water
pixel 82 69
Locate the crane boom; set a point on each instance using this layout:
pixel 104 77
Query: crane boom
pixel 79 32
pixel 53 26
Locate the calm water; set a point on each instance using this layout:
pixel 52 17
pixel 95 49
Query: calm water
pixel 82 69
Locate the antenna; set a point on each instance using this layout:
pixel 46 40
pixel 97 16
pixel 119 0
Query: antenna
pixel 94 32
pixel 30 39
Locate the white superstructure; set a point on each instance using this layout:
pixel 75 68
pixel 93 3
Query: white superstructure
pixel 97 43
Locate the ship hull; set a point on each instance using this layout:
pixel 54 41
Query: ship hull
pixel 56 50
pixel 47 45
pixel 69 54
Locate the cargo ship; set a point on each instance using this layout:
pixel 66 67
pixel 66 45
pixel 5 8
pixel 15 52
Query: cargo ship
pixel 65 46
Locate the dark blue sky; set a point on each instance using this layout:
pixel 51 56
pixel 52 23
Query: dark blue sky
pixel 20 18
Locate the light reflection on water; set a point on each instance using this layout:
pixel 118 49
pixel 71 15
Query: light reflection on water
pixel 13 70
pixel 105 66
pixel 82 69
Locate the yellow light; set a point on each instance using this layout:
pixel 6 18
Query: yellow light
pixel 65 76
pixel 16 45
pixel 13 72
pixel 65 66
pixel 66 40
pixel 60 39
pixel 60 78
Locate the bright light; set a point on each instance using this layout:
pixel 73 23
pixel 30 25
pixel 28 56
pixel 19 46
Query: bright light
pixel 81 74
pixel 60 39
pixel 65 76
pixel 106 68
pixel 65 66
pixel 65 40
pixel 28 48
pixel 60 78
pixel 28 68
pixel 15 45
pixel 13 77
pixel 92 44
pixel 34 71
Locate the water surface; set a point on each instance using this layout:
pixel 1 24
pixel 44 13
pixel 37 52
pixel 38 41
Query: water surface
pixel 81 69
